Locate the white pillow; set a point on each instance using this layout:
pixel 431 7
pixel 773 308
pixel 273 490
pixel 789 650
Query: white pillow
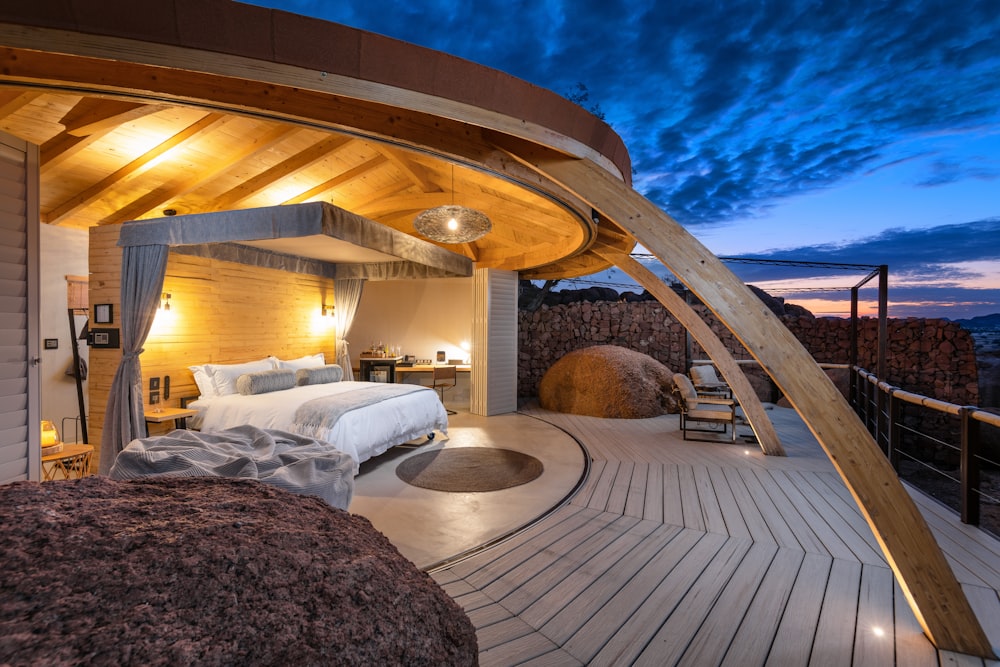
pixel 224 376
pixel 203 379
pixel 309 361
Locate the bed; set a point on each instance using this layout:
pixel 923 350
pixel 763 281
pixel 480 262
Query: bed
pixel 361 419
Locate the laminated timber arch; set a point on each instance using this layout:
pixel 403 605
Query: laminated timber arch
pixel 231 62
pixel 921 570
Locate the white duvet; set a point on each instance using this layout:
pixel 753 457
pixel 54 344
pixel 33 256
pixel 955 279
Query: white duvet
pixel 362 433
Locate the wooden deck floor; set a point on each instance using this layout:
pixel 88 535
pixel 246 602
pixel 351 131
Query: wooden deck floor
pixel 695 553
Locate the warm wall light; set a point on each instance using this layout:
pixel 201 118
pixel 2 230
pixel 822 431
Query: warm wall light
pixel 165 301
pixel 327 310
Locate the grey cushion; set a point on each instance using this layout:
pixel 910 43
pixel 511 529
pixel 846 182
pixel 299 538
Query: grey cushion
pixel 321 375
pixel 263 382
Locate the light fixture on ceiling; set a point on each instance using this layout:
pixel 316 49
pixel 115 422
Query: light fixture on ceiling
pixel 452 223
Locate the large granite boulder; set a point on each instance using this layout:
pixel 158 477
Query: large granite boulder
pixel 608 381
pixel 210 571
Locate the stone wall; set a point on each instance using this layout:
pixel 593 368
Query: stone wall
pixel 932 357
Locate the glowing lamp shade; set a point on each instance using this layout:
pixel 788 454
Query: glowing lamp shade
pixel 49 434
pixel 452 224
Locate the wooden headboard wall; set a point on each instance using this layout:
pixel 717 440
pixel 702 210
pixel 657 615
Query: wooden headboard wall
pixel 220 312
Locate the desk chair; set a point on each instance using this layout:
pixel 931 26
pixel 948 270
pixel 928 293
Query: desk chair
pixel 444 377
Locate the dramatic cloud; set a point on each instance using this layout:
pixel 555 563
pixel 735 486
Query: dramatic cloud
pixel 730 109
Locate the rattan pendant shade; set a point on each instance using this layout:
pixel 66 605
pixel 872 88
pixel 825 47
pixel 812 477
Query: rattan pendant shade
pixel 452 224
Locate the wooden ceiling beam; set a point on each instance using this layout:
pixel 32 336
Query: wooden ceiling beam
pixel 415 173
pixel 283 169
pixel 155 198
pixel 134 167
pixel 338 180
pixel 12 101
pixel 100 115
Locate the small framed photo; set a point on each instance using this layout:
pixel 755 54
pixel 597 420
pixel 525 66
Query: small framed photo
pixel 103 313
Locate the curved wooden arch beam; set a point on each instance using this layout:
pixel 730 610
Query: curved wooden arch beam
pixel 744 393
pixel 924 575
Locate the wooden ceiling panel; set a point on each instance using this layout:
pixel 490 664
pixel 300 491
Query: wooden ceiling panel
pixel 108 160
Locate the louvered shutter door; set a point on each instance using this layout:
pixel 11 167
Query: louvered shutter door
pixel 494 342
pixel 20 454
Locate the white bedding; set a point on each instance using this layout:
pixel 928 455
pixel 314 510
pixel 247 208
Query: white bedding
pixel 362 433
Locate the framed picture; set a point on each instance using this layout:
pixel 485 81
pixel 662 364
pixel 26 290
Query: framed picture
pixel 103 313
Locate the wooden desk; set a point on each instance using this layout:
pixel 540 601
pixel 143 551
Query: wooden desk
pixel 73 462
pixel 403 371
pixel 177 415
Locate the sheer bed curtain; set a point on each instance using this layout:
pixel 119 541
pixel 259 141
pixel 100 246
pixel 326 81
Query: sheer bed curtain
pixel 143 269
pixel 346 297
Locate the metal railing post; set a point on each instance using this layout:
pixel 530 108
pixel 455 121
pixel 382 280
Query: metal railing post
pixel 970 467
pixel 895 436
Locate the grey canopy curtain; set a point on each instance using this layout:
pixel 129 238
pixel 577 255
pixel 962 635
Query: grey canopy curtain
pixel 143 269
pixel 346 297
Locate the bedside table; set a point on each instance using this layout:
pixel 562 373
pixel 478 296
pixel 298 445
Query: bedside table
pixel 177 415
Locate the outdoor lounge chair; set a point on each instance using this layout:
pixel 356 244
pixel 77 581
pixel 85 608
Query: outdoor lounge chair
pixel 707 383
pixel 707 413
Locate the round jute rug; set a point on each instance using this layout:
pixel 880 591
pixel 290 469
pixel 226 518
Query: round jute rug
pixel 469 469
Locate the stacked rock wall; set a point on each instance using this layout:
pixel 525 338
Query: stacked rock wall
pixel 932 357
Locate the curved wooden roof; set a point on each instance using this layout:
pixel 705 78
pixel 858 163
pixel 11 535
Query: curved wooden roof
pixel 198 106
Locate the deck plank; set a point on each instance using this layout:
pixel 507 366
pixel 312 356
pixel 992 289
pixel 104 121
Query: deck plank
pixel 755 521
pixel 754 637
pixel 683 608
pixel 673 502
pixel 875 639
pixel 638 608
pixel 834 641
pixel 711 509
pixel 653 498
pixel 652 555
pixel 793 642
pixel 539 575
pixel 573 545
pixel 619 492
pixel 912 646
pixel 715 634
pixel 694 517
pixel 635 501
pixel 540 606
pixel 732 513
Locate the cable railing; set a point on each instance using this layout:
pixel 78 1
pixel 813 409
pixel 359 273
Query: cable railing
pixel 949 451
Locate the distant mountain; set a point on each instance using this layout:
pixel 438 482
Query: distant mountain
pixel 981 322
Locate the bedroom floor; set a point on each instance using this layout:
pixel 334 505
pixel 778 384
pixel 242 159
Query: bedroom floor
pixel 430 527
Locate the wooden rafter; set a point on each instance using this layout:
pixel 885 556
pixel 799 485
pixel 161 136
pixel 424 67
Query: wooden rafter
pixel 155 198
pixel 98 116
pixel 134 167
pixel 338 180
pixel 283 169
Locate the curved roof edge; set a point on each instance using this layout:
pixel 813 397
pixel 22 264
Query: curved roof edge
pixel 233 28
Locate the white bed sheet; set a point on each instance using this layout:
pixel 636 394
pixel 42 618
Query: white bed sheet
pixel 362 433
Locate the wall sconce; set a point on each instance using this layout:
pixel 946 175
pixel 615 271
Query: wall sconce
pixel 165 301
pixel 327 310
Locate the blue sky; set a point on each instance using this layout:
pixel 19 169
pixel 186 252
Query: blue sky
pixel 858 132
